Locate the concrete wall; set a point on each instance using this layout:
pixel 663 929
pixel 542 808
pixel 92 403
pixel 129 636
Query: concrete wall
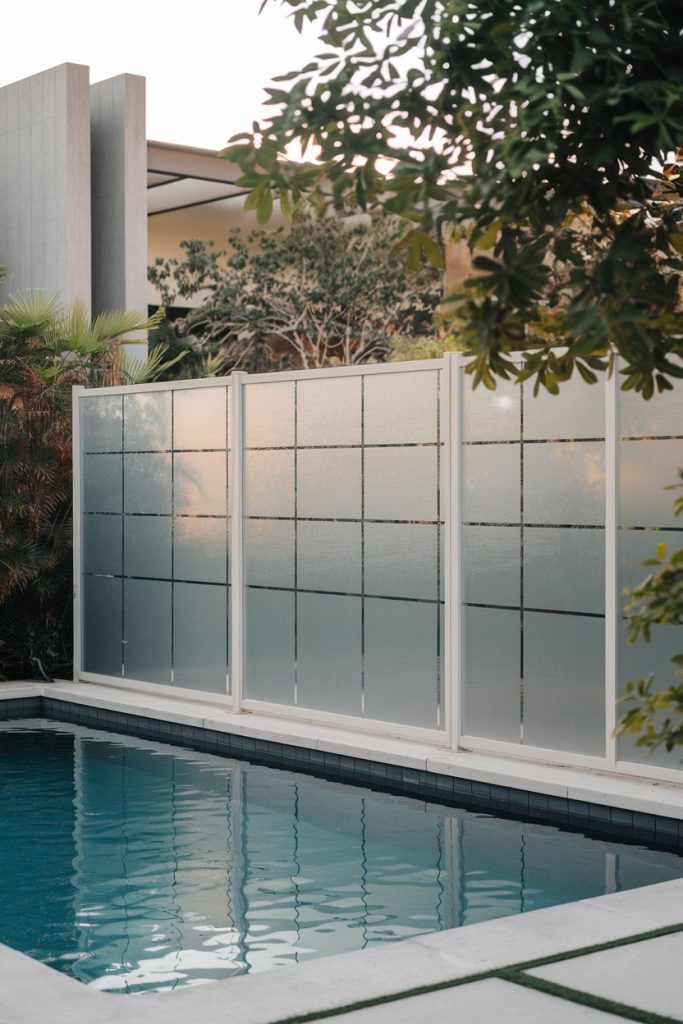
pixel 119 198
pixel 45 183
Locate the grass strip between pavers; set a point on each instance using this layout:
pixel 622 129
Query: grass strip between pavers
pixel 573 995
pixel 512 973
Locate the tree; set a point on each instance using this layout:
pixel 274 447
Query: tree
pixel 44 350
pixel 320 293
pixel 545 133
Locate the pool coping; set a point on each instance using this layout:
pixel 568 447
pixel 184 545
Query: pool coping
pixel 628 808
pixel 349 982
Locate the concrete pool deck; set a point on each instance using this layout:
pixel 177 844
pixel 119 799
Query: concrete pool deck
pixel 607 958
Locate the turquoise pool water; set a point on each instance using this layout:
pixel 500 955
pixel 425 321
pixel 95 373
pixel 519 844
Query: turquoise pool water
pixel 133 865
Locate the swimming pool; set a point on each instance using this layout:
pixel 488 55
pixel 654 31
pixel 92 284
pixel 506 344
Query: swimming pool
pixel 134 865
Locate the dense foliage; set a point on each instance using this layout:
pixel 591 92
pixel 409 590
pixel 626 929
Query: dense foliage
pixel 44 350
pixel 322 292
pixel 534 130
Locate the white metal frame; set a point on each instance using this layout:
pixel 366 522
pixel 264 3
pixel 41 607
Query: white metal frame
pixel 451 735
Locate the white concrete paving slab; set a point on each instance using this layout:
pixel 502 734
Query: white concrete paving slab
pixel 647 975
pixel 483 1002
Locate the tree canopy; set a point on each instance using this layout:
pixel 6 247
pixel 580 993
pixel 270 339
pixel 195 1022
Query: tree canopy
pixel 544 132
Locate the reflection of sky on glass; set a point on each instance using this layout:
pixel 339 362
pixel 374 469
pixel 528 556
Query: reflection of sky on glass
pixel 169 868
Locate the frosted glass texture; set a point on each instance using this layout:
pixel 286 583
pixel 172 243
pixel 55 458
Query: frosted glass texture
pixel 199 484
pixel 199 418
pixel 491 483
pixel 147 421
pixel 564 670
pixel 329 483
pixel 102 544
pixel 564 569
pixel 269 553
pixel 401 560
pixel 401 483
pixel 328 411
pixel 329 653
pixel 490 415
pixel 102 605
pixel 147 546
pixel 491 692
pixel 199 549
pixel 401 662
pixel 147 484
pixel 269 415
pixel 329 557
pixel 401 408
pixel 662 416
pixel 269 483
pixel 269 663
pixel 564 483
pixel 646 468
pixel 577 412
pixel 102 423
pixel 200 640
pixel 147 630
pixel 102 483
pixel 491 557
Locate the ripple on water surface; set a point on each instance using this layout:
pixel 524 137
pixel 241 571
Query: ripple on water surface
pixel 136 866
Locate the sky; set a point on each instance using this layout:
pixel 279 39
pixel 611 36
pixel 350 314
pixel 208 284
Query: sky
pixel 207 62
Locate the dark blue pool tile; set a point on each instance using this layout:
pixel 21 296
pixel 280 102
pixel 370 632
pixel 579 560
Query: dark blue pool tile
pixel 444 784
pixel 621 821
pixel 332 763
pixel 578 812
pixel 317 760
pixel 500 798
pixel 361 769
pixel 481 793
pixel 462 789
pixel 643 823
pixel 599 817
pixel 666 828
pixel 538 805
pixel 411 779
pixel 519 801
pixel 558 809
pixel 378 772
pixel 345 765
pixel 428 785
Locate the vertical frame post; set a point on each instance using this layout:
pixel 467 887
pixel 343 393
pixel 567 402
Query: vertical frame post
pixel 452 548
pixel 611 556
pixel 236 541
pixel 77 527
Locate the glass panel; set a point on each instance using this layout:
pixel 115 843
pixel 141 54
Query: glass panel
pixel 269 483
pixel 102 423
pixel 147 484
pixel 490 415
pixel 102 544
pixel 329 653
pixel 329 483
pixel 147 630
pixel 400 560
pixel 645 469
pixel 147 422
pixel 328 411
pixel 268 415
pixel 401 662
pixel 401 483
pixel 564 483
pixel 491 483
pixel 199 418
pixel 329 557
pixel 564 689
pixel 200 637
pixel 578 410
pixel 635 546
pixel 401 408
pixel 269 553
pixel 269 662
pixel 147 546
pixel 491 682
pixel 662 416
pixel 637 661
pixel 102 625
pixel 199 482
pixel 564 569
pixel 102 483
pixel 199 550
pixel 491 564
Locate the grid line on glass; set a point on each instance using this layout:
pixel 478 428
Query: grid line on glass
pixel 362 547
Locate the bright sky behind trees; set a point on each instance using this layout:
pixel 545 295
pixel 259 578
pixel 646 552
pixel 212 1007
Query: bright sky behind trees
pixel 207 62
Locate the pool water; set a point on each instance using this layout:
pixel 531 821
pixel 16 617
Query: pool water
pixel 134 865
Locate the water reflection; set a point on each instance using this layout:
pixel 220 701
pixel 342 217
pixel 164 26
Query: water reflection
pixel 176 869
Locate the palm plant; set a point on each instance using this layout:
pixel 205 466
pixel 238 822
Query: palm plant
pixel 45 350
